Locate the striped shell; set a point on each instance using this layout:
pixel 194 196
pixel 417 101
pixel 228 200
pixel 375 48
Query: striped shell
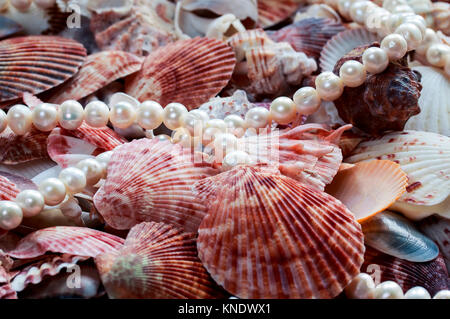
pixel 438 229
pixel 16 149
pixel 151 180
pixel 35 64
pixel 269 236
pixel 425 158
pixel 156 261
pixel 8 189
pixel 271 12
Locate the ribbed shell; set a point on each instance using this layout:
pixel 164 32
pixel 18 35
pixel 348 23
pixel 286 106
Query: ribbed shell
pixel 271 12
pixel 188 72
pixel 98 70
pixel 438 229
pixel 16 149
pixel 80 241
pixel 369 187
pixel 8 190
pixel 269 236
pixel 156 261
pixel 151 180
pixel 35 64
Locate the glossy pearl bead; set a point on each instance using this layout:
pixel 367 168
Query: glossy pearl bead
pixel 411 33
pixel 359 9
pixel 21 5
pixel 173 113
pixel 436 54
pixel 307 100
pixel 71 115
pixel 395 46
pixel 10 215
pixel 375 60
pixel 53 190
pixel 182 136
pixel 104 159
pixel 19 119
pixel 391 4
pixel 417 293
pixel 361 287
pixel 74 179
pixel 329 86
pixel 96 114
pixel 92 169
pixel 429 38
pixel 3 121
pixel 150 115
pixel 213 127
pixel 257 117
pixel 235 125
pixel 236 158
pixel 418 21
pixel 283 110
pixel 352 73
pixel 31 201
pixel 388 290
pixel 45 117
pixel 202 115
pixel 193 123
pixel 224 144
pixel 123 115
pixel 344 7
pixel 443 294
pixel 163 137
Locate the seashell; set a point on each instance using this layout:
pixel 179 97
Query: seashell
pixel 348 142
pixel 342 43
pixel 440 16
pixel 156 261
pixel 308 35
pixel 299 229
pixel 224 27
pixel 420 6
pixel 368 188
pixel 79 241
pixel 431 275
pixel 28 169
pixel 394 235
pixel 35 64
pixel 385 101
pixel 6 292
pixel 434 103
pixel 438 229
pixel 424 157
pixel 8 28
pixel 187 71
pixel 271 12
pixel 221 107
pixel 319 10
pixel 98 70
pixel 8 241
pixel 140 28
pixel 151 180
pixel 8 190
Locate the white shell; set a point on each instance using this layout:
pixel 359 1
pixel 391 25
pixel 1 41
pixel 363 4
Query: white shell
pixel 221 107
pixel 425 158
pixel 434 103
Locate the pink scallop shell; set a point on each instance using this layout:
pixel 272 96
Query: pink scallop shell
pixel 8 190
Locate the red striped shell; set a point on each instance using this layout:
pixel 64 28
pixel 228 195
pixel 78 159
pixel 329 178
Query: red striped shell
pixel 187 71
pixel 269 236
pixel 271 12
pixel 35 64
pixel 151 180
pixel 8 190
pixel 156 261
pixel 16 149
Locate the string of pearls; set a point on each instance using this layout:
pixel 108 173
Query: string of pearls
pixel 363 287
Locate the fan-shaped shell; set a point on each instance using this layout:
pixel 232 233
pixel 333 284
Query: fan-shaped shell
pixel 434 102
pixel 271 12
pixel 35 64
pixel 269 236
pixel 156 261
pixel 151 180
pixel 188 72
pixel 438 229
pixel 8 190
pixel 16 149
pixel 369 187
pixel 425 158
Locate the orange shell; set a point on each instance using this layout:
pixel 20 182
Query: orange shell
pixel 187 71
pixel 17 149
pixel 368 188
pixel 269 236
pixel 156 261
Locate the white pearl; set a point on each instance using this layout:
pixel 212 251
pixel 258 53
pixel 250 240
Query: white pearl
pixel 344 7
pixel 411 33
pixel 236 158
pixel 212 128
pixel 403 9
pixel 182 136
pixel 74 179
pixel 391 4
pixel 429 38
pixel 394 21
pixel 45 117
pixel 21 5
pixel 329 86
pixel 417 293
pixel 163 137
pixel 71 115
pixel 418 21
pixel 3 121
pixel 395 46
pixel 150 115
pixel 31 201
pixel 45 4
pixel 96 114
pixel 257 117
pixel 224 144
pixel 19 119
pixel 361 287
pixel 173 113
pixel 200 114
pixel 375 19
pixel 359 9
pixel 92 169
pixel 104 159
pixel 436 54
pixel 375 60
pixel 283 110
pixel 388 290
pixel 307 100
pixel 193 123
pixel 352 73
pixel 235 125
pixel 10 215
pixel 53 190
pixel 443 294
pixel 123 115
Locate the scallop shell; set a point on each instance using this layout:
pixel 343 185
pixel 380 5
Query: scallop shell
pixel 271 12
pixel 156 261
pixel 341 44
pixel 368 188
pixel 151 180
pixel 188 72
pixel 396 236
pixel 438 229
pixel 269 236
pixel 308 35
pixel 8 190
pixel 434 102
pixel 425 158
pixel 35 64
pixel 431 275
pixel 319 10
pixel 8 27
pixel 98 70
pixel 80 241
